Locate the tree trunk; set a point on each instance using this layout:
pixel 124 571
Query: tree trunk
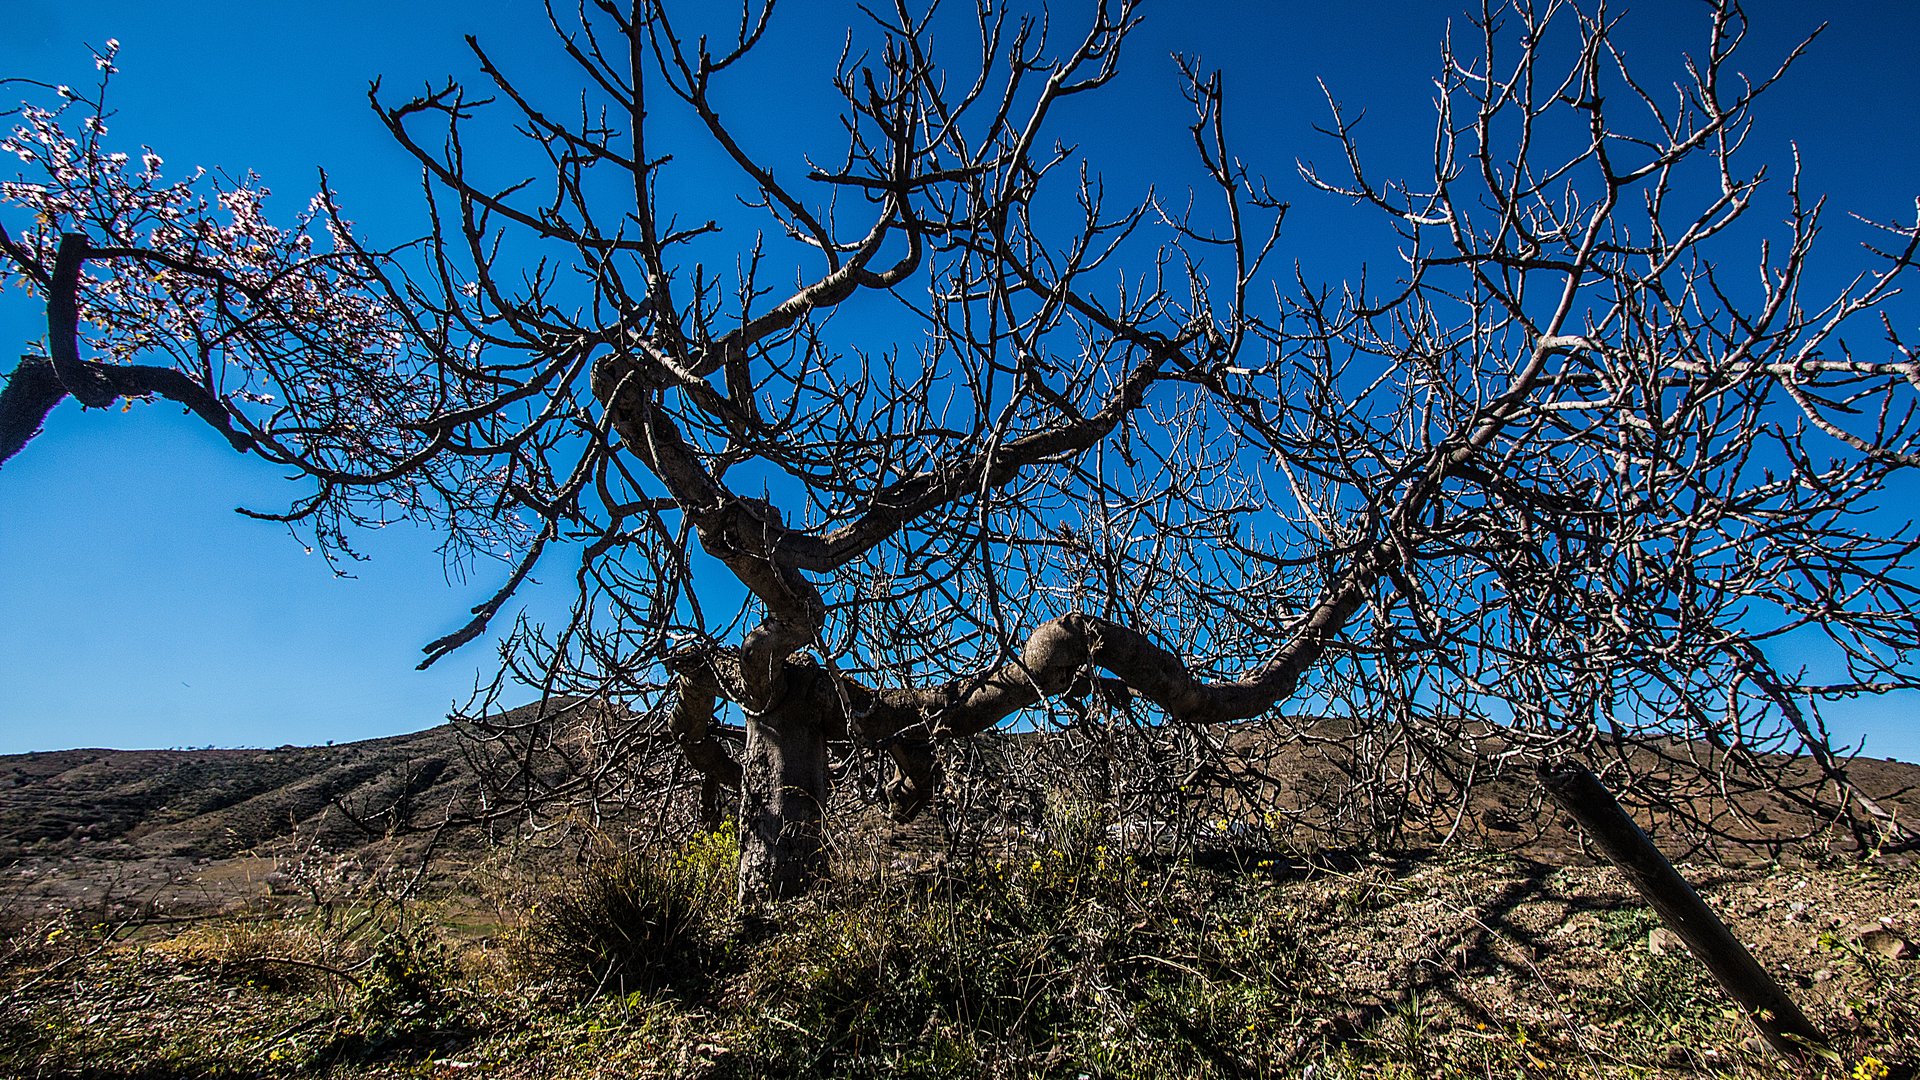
pixel 783 797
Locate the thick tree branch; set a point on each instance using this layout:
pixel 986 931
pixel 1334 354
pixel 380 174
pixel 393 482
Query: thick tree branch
pixel 696 689
pixel 32 392
pixel 63 326
pixel 35 389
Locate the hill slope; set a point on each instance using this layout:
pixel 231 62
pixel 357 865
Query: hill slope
pixel 128 830
pixel 213 803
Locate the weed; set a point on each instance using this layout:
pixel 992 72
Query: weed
pixel 1625 928
pixel 1884 1000
pixel 633 921
pixel 403 989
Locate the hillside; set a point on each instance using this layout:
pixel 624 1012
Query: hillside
pixel 1048 954
pixel 120 831
pixel 133 803
pixel 177 830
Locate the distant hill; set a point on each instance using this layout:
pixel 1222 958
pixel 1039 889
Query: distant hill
pixel 205 828
pixel 215 803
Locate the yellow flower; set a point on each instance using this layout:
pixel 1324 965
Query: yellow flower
pixel 1870 1068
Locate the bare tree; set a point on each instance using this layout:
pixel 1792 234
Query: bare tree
pixel 1559 473
pixel 901 446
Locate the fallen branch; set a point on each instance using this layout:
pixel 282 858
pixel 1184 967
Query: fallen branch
pixel 1627 846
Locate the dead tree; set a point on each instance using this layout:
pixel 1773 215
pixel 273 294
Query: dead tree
pixel 905 443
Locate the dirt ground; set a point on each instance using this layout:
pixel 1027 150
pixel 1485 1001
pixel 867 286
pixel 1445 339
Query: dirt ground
pixel 140 895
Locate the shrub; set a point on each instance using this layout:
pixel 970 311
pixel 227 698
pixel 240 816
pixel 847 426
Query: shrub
pixel 880 982
pixel 636 921
pixel 403 988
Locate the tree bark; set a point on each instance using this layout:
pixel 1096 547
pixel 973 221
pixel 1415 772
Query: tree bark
pixel 783 798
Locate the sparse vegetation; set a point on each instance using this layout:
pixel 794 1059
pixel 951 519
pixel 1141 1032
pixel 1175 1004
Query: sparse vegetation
pixel 1049 940
pixel 1064 957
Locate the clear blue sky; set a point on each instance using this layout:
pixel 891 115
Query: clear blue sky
pixel 137 610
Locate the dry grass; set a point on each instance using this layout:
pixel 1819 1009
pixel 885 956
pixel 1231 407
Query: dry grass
pixel 1063 959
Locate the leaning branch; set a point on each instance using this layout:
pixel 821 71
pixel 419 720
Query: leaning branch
pixel 35 388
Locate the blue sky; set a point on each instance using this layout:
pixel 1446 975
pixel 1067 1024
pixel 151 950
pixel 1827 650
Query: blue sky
pixel 137 610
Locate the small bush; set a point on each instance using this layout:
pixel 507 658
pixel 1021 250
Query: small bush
pixel 962 979
pixel 1883 1003
pixel 405 1005
pixel 403 988
pixel 1062 954
pixel 634 921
